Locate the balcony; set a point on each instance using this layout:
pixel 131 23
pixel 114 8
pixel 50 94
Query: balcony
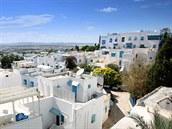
pixel 64 94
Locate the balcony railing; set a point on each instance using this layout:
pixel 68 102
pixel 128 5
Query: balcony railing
pixel 64 94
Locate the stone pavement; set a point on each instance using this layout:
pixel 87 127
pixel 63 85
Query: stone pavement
pixel 119 109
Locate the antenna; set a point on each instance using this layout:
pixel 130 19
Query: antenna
pixel 80 72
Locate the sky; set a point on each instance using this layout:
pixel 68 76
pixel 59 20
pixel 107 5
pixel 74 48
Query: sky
pixel 79 21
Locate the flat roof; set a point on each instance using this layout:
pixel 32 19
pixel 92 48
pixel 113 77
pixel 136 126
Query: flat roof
pixel 57 77
pixel 15 93
pixel 157 95
pixel 4 73
pixel 125 123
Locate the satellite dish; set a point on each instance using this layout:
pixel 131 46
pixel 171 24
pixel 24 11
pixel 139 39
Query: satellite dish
pixel 80 72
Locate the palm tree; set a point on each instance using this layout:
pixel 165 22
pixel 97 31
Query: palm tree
pixel 70 62
pixel 157 123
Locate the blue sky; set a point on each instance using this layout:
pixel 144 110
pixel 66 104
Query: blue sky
pixel 79 20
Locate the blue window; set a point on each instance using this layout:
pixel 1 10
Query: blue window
pixel 154 46
pixel 93 118
pixel 103 47
pixel 135 38
pixel 142 38
pixel 89 86
pixel 69 83
pixel 113 54
pixel 62 119
pixel 74 89
pixel 154 37
pixel 116 40
pixel 129 45
pixel 123 39
pixel 129 38
pixel 103 41
pixel 121 54
pixel 25 82
pixel 134 46
pixel 31 84
pixel 110 40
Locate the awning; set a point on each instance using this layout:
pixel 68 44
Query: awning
pixel 75 83
pixel 55 111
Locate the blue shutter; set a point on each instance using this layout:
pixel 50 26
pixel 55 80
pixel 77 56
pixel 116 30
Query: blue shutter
pixel 62 119
pixel 69 83
pixel 93 118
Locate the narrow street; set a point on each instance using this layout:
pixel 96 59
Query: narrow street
pixel 119 109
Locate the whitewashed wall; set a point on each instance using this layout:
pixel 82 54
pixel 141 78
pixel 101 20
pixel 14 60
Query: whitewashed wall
pixel 33 123
pixel 11 80
pixel 83 115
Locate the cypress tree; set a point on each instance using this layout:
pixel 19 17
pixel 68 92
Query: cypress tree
pixel 161 72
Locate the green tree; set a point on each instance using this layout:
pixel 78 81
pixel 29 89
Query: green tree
pixel 113 66
pixel 134 80
pixel 70 62
pixel 6 60
pixel 90 48
pixel 111 77
pixel 161 72
pixel 165 30
pixel 86 67
pixel 157 123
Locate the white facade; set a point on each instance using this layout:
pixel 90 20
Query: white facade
pixel 13 112
pixel 32 123
pixel 131 40
pixel 160 98
pixel 85 107
pixel 9 79
pixel 125 57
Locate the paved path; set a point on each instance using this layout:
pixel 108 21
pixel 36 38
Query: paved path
pixel 122 99
pixel 119 109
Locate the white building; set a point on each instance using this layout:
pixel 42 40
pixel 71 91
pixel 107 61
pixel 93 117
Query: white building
pixel 131 40
pixel 31 58
pixel 53 60
pixel 125 57
pixel 73 102
pixel 160 99
pixel 67 101
pixel 9 79
pixel 13 112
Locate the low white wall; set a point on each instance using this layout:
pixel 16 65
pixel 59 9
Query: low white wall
pixel 45 105
pixel 82 116
pixel 11 80
pixel 32 123
pixel 65 107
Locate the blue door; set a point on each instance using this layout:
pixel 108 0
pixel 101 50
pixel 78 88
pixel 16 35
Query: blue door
pixel 74 89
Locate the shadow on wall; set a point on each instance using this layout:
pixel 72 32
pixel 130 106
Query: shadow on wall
pixel 115 114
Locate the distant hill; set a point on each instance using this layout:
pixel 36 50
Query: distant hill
pixel 45 44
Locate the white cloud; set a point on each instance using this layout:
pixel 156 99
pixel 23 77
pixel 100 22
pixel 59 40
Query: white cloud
pixel 63 16
pixel 25 20
pixel 90 28
pixel 138 0
pixel 108 10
